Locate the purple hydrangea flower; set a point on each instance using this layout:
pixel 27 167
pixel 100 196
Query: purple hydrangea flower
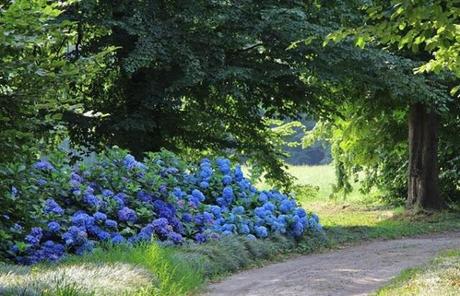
pixel 111 223
pixel 175 237
pixel 107 193
pixel 261 231
pixel 43 165
pixel 118 239
pixel 52 207
pixel 127 215
pixel 100 217
pixel 200 237
pixel 92 200
pixel 53 226
pixel 227 180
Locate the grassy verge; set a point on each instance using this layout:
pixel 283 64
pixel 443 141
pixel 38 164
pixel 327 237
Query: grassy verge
pixel 440 277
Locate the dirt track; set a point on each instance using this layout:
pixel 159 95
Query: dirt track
pixel 356 270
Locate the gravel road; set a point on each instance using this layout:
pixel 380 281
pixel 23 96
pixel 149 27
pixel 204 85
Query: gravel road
pixel 355 270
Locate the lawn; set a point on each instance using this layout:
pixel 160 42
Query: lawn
pixel 155 270
pixel 359 216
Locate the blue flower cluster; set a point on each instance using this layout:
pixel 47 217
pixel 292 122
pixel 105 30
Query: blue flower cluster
pixel 118 199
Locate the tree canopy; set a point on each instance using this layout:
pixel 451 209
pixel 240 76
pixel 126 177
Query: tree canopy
pixel 212 76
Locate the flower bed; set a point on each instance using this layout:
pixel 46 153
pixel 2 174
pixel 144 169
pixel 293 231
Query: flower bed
pixel 117 199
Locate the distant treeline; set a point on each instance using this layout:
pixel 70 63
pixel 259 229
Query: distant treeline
pixel 317 154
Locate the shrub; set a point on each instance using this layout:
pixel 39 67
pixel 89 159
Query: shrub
pixel 117 199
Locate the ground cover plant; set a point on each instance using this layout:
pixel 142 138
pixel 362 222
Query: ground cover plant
pixel 116 199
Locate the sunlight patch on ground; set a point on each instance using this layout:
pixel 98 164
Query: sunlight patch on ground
pixel 440 277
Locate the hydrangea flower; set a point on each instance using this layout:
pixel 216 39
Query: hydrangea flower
pixel 16 228
pixel 100 217
pixel 227 193
pixel 198 195
pixel 161 226
pixel 238 173
pixel 43 165
pixel 107 193
pixel 82 219
pixel 118 239
pixel 14 192
pixel 224 165
pixel 200 237
pixel 131 163
pixel 53 226
pixel 187 217
pixel 111 223
pixel 120 199
pixel 238 210
pixel 144 196
pixel 227 180
pixel 127 215
pixel 244 229
pixel 51 207
pixel 92 200
pixel 261 231
pixel 175 237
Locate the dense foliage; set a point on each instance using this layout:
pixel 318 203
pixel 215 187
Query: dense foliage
pixel 39 75
pixel 369 126
pixel 118 199
pixel 202 75
pixel 428 28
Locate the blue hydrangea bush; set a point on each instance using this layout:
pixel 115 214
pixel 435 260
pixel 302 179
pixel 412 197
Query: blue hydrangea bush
pixel 117 199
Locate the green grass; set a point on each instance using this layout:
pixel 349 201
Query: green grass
pixel 440 277
pixel 363 216
pixel 154 270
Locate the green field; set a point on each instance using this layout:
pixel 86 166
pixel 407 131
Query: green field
pixel 359 216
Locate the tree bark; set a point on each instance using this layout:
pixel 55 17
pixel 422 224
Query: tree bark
pixel 423 183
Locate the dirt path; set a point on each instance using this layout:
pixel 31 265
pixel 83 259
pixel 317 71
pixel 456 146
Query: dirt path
pixel 357 270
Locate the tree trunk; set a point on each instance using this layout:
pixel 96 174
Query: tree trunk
pixel 423 185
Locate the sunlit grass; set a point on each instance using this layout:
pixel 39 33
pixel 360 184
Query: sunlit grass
pixel 94 278
pixel 439 277
pixel 363 216
pixel 175 277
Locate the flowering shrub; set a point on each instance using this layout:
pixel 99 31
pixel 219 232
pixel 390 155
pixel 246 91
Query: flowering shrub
pixel 118 199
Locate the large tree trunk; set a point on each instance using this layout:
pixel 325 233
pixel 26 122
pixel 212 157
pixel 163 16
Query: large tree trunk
pixel 423 191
